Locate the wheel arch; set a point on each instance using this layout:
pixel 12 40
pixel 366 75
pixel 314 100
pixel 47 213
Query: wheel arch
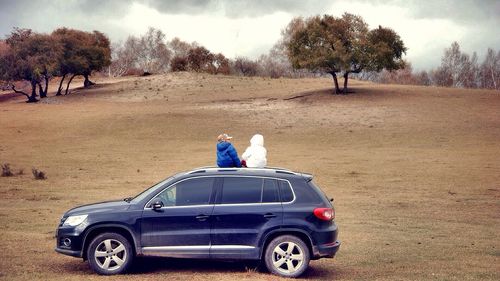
pixel 302 235
pixel 94 231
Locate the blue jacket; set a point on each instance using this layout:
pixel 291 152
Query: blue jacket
pixel 227 157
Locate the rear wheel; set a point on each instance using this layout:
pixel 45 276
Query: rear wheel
pixel 287 256
pixel 110 253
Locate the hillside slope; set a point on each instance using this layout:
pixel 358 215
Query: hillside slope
pixel 414 170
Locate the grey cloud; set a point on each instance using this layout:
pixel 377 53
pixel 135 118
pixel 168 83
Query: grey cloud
pixel 463 11
pixel 479 19
pixel 238 8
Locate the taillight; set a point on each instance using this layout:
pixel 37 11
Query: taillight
pixel 326 214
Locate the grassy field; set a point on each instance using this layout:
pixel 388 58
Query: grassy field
pixel 415 171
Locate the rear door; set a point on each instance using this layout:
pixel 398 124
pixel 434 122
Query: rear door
pixel 182 227
pixel 246 209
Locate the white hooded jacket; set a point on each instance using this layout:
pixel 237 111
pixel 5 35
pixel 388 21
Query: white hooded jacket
pixel 255 155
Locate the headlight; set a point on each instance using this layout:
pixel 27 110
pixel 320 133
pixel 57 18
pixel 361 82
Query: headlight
pixel 74 220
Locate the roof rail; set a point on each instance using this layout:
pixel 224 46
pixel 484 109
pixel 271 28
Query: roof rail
pixel 213 168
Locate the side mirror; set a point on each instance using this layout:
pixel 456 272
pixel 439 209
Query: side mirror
pixel 157 204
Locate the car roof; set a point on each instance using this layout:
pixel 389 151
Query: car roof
pixel 266 171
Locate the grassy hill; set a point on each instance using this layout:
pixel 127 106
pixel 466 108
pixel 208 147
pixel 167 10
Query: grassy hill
pixel 414 171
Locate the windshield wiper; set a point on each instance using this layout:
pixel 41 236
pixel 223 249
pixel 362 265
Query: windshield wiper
pixel 128 199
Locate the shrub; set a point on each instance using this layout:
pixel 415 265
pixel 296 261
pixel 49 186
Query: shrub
pixel 6 172
pixel 39 175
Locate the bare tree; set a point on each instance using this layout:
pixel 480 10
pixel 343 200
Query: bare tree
pixel 454 66
pixel 423 78
pixel 490 70
pixel 123 57
pixel 180 48
pixel 152 53
pixel 245 67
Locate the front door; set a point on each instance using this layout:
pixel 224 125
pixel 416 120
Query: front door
pixel 181 228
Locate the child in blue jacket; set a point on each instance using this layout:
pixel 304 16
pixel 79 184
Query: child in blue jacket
pixel 227 157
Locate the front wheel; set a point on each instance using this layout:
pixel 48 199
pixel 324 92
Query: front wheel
pixel 287 256
pixel 110 253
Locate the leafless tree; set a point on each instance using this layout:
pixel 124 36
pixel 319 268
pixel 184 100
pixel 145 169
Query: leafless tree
pixel 245 67
pixel 490 70
pixel 180 48
pixel 123 57
pixel 153 56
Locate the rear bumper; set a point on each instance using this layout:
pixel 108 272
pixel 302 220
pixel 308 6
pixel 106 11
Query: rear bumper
pixel 326 250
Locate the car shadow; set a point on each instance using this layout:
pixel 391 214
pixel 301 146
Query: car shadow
pixel 151 265
pixel 158 264
pixel 154 264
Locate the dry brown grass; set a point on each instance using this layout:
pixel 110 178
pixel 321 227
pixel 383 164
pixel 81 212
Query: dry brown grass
pixel 414 171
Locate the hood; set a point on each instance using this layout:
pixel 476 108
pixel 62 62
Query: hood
pixel 98 208
pixel 223 145
pixel 257 140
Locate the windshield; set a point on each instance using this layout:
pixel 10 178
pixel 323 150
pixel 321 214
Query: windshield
pixel 139 197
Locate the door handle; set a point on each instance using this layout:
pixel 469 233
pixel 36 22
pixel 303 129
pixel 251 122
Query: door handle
pixel 202 217
pixel 269 215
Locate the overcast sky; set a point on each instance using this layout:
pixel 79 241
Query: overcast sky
pixel 250 28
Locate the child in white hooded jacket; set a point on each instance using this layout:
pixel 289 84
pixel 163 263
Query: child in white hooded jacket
pixel 255 155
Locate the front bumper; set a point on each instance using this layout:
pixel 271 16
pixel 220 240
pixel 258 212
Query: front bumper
pixel 326 250
pixel 67 252
pixel 74 248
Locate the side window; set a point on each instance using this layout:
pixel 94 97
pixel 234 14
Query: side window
pixel 189 192
pixel 270 191
pixel 286 192
pixel 237 190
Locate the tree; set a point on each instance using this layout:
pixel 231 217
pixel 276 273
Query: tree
pixel 245 67
pixel 123 57
pixel 275 64
pixel 32 57
pixel 453 69
pixel 179 63
pixel 153 55
pixel 490 70
pixel 401 76
pixel 423 78
pixel 200 59
pixel 83 53
pixel 180 48
pixel 220 65
pixel 332 45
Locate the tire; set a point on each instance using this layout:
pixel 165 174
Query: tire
pixel 287 256
pixel 110 253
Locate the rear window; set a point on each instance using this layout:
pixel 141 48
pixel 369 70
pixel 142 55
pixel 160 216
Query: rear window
pixel 320 192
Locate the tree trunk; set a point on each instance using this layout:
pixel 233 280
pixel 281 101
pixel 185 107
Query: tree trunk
pixel 41 92
pixel 346 77
pixel 32 98
pixel 60 85
pixel 336 82
pixel 46 85
pixel 87 83
pixel 69 82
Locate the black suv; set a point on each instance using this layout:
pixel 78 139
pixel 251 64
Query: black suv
pixel 269 214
